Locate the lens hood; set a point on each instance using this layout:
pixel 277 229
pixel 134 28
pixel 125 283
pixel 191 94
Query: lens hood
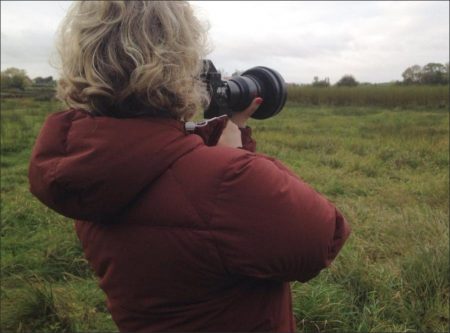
pixel 272 90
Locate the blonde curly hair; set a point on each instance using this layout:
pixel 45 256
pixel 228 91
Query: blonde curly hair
pixel 123 58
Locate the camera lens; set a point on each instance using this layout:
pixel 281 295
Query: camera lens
pixel 242 91
pixel 270 86
pixel 237 93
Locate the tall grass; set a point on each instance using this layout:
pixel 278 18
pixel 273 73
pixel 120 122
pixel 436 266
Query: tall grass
pixel 380 96
pixel 387 170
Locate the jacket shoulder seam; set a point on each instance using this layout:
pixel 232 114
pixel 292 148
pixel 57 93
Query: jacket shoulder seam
pixel 212 216
pixel 54 170
pixel 205 220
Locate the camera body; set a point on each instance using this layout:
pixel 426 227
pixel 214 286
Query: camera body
pixel 236 94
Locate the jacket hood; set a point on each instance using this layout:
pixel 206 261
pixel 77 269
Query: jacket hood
pixel 92 168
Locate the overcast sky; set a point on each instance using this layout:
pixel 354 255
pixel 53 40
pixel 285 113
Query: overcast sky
pixel 374 41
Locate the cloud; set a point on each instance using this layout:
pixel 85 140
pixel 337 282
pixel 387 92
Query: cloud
pixel 28 33
pixel 374 40
pixel 31 51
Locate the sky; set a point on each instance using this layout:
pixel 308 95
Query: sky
pixel 375 41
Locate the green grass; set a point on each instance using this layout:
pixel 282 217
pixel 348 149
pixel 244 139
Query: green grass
pixel 387 170
pixel 388 173
pixel 47 285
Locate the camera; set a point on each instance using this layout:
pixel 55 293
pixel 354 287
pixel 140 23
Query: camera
pixel 237 93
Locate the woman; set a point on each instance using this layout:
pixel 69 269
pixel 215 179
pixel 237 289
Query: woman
pixel 183 236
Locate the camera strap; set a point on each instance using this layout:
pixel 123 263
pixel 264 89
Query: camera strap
pixel 191 126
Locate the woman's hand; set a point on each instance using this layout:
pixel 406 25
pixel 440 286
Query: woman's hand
pixel 231 135
pixel 240 118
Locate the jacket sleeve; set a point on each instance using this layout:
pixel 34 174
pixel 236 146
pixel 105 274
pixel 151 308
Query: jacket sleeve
pixel 269 224
pixel 248 143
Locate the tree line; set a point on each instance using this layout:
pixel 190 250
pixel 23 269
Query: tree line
pixel 15 78
pixel 430 74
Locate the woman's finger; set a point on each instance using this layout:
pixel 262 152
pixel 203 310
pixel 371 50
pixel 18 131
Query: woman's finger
pixel 252 107
pixel 240 118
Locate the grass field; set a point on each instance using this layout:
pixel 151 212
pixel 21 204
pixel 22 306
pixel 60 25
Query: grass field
pixel 387 170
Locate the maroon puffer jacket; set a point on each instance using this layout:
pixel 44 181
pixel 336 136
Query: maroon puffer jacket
pixel 184 236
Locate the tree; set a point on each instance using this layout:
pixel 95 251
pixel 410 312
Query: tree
pixel 431 73
pixel 447 73
pixel 412 75
pixel 48 81
pixel 347 81
pixel 14 78
pixel 434 73
pixel 321 83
